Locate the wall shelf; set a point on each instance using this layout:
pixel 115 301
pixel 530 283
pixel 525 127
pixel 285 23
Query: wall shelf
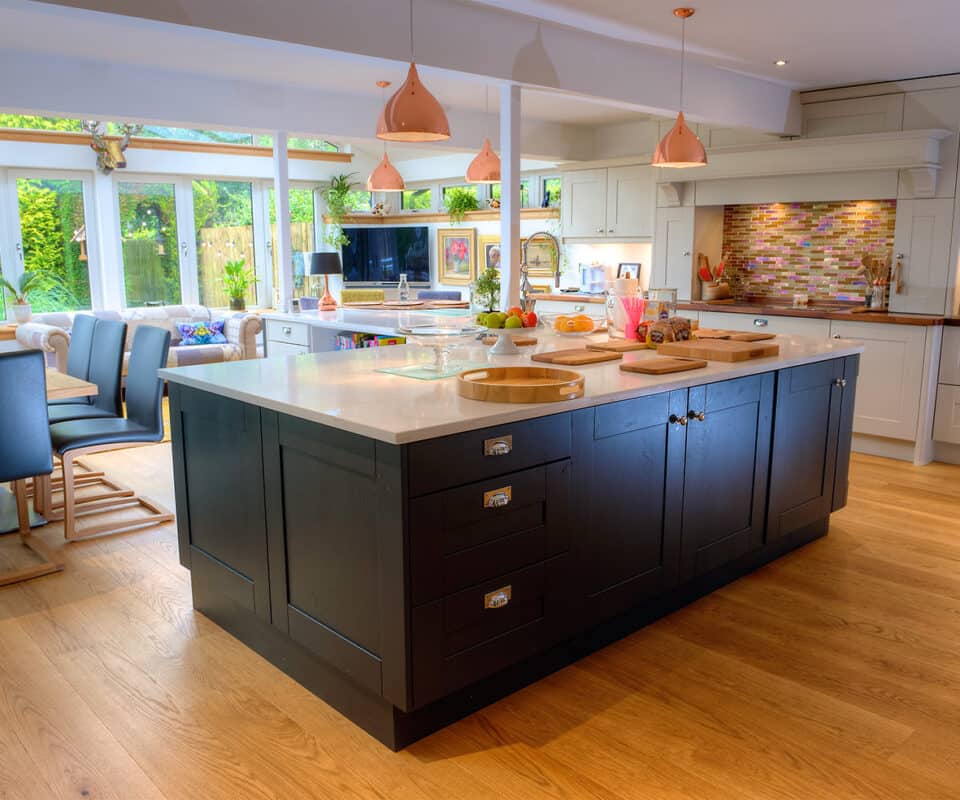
pixel 486 215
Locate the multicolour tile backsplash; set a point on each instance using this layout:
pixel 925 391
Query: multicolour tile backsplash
pixel 780 249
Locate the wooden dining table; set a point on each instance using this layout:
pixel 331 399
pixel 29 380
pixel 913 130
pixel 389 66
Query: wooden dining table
pixel 60 386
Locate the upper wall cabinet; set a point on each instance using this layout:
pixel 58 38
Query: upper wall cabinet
pixel 617 203
pixel 854 115
pixel 922 246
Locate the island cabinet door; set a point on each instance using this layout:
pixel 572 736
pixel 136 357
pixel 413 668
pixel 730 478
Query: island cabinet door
pixel 335 515
pixel 628 539
pixel 810 402
pixel 218 480
pixel 725 472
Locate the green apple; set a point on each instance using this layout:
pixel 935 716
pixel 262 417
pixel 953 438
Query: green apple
pixel 494 321
pixel 513 322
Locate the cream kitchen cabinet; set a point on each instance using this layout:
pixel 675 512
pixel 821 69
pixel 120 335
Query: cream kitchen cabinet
pixel 612 203
pixel 785 326
pixel 950 356
pixel 673 251
pixel 946 424
pixel 922 247
pixel 891 379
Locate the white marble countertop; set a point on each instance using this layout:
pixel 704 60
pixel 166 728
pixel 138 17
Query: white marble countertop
pixel 344 390
pixel 384 322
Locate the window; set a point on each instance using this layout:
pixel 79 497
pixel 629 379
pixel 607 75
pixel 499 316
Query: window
pixel 416 200
pixel 53 234
pixel 551 192
pixel 30 123
pixel 496 191
pixel 223 221
pixel 301 143
pixel 361 201
pixel 468 188
pixel 302 232
pixel 151 252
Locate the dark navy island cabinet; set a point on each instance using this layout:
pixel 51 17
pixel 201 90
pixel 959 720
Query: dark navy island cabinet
pixel 408 585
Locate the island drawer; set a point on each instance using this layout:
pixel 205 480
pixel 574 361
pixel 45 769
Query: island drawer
pixel 465 535
pixel 289 332
pixel 473 633
pixel 437 464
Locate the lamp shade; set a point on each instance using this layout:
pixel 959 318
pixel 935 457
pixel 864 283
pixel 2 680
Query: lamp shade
pixel 325 264
pixel 412 114
pixel 485 168
pixel 680 147
pixel 385 177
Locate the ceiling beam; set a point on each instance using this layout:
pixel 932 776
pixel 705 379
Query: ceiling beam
pixel 488 41
pixel 103 90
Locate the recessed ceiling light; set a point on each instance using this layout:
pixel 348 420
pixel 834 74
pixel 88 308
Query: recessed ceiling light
pixel 781 62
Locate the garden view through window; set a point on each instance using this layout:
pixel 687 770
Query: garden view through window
pixel 150 245
pixel 223 221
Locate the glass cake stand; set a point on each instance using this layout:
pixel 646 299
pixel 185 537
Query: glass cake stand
pixel 441 340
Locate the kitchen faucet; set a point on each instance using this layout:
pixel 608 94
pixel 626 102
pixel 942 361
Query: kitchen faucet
pixel 527 303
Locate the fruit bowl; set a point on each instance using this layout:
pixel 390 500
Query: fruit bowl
pixel 571 325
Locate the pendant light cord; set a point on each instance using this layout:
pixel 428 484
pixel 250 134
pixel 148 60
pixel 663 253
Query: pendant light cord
pixel 683 53
pixel 411 32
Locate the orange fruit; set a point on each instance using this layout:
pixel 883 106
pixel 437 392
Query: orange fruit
pixel 583 325
pixel 570 326
pixel 560 323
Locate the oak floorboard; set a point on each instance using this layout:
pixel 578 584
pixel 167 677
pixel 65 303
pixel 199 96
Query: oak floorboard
pixel 831 673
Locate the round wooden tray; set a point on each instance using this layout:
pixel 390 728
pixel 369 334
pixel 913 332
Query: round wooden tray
pixel 520 384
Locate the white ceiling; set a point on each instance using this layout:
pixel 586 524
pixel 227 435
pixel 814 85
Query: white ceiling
pixel 41 28
pixel 828 42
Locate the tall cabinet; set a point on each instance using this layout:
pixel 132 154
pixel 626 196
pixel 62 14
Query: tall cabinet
pixel 922 245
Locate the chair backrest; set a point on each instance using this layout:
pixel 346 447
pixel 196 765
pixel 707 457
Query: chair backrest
pixel 144 386
pixel 81 346
pixel 438 294
pixel 106 363
pixel 362 295
pixel 24 428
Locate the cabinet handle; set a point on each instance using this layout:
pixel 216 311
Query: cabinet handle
pixel 500 446
pixel 836 336
pixel 840 383
pixel 578 307
pixel 700 416
pixel 286 330
pixel 609 230
pixel 498 598
pixel 599 230
pixel 685 253
pixel 898 274
pixel 675 420
pixel 498 498
pixel 761 323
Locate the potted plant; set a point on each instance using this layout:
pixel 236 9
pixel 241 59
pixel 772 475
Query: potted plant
pixel 340 202
pixel 20 294
pixel 459 201
pixel 237 280
pixel 485 291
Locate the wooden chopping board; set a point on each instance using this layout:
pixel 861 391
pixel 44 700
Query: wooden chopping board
pixel 623 346
pixel 519 341
pixel 719 350
pixel 661 366
pixel 577 357
pixel 733 336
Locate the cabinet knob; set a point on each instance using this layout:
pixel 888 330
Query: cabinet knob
pixel 675 420
pixel 498 598
pixel 840 383
pixel 500 446
pixel 599 230
pixel 609 230
pixel 836 336
pixel 286 330
pixel 498 498
pixel 685 253
pixel 700 416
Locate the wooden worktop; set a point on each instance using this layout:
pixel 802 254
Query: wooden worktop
pixel 814 311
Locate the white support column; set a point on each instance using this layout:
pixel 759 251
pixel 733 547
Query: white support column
pixel 509 195
pixel 104 249
pixel 281 184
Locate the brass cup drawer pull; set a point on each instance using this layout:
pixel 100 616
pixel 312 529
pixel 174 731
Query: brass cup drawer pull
pixel 498 446
pixel 498 498
pixel 498 598
pixel 697 415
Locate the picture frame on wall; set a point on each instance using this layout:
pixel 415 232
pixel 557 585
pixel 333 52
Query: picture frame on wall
pixel 456 255
pixel 489 253
pixel 543 259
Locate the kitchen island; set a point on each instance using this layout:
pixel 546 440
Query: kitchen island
pixel 410 555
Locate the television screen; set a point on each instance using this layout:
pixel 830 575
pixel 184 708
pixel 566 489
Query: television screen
pixel 378 255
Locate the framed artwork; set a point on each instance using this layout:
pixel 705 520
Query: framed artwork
pixel 456 255
pixel 543 260
pixel 489 253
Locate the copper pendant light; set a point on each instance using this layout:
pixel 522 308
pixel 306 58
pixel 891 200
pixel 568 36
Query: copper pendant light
pixel 385 177
pixel 485 168
pixel 680 147
pixel 413 114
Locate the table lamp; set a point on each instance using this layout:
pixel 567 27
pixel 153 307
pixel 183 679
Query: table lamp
pixel 326 264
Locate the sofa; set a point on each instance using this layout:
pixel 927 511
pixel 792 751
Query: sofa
pixel 51 332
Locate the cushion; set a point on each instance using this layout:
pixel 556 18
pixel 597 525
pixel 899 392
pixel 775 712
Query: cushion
pixel 194 333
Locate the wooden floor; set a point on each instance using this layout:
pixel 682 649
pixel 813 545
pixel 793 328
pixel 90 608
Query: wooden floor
pixel 831 674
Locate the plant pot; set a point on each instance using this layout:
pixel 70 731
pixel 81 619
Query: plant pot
pixel 238 304
pixel 22 313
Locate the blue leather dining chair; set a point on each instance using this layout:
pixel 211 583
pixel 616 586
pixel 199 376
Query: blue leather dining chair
pixel 106 365
pixel 438 294
pixel 143 424
pixel 25 447
pixel 78 356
